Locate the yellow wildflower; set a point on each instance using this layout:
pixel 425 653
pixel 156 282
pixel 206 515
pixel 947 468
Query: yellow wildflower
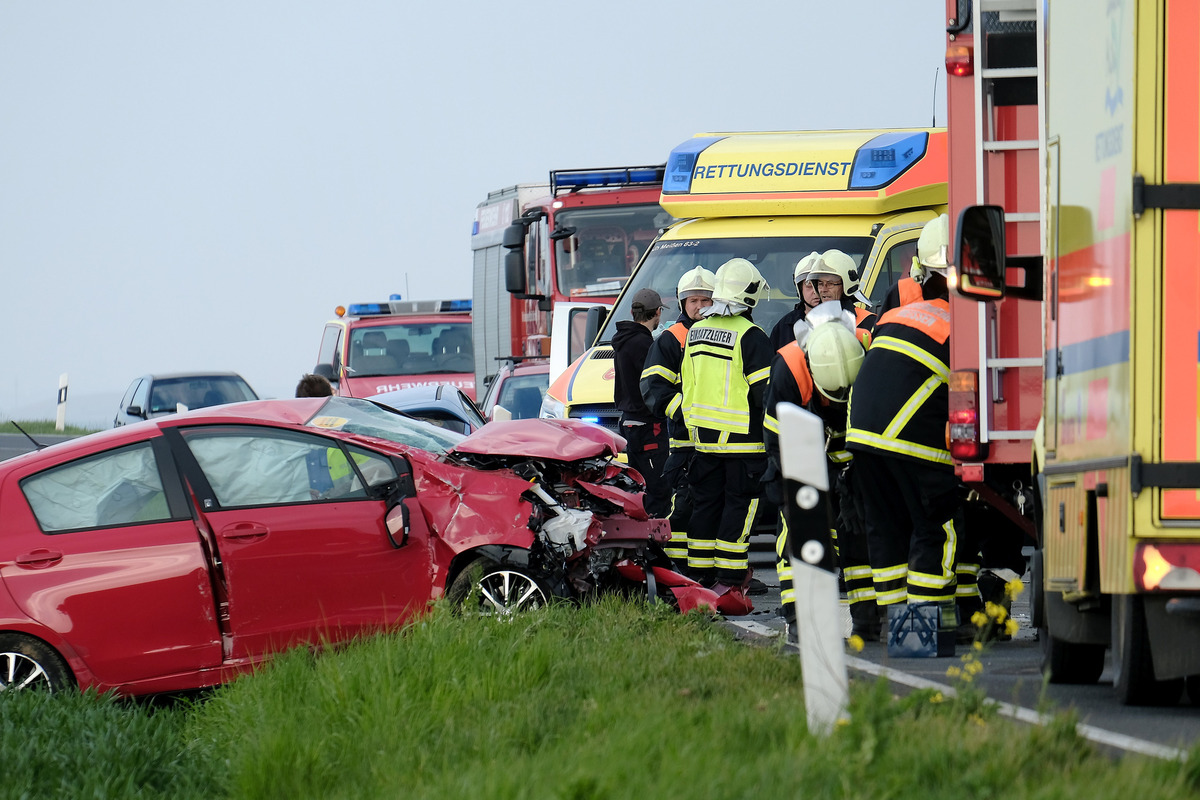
pixel 1013 588
pixel 937 698
pixel 979 619
pixel 953 672
pixel 977 645
pixel 856 643
pixel 996 611
pixel 1010 627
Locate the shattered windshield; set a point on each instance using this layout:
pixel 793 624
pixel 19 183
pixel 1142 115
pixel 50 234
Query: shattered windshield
pixel 367 419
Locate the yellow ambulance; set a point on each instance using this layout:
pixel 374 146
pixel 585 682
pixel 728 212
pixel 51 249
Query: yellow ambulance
pixel 772 198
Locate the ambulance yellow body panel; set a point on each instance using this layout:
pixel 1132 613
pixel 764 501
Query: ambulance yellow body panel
pixel 773 198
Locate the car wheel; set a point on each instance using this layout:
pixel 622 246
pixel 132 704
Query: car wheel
pixel 29 663
pixel 496 589
pixel 1133 664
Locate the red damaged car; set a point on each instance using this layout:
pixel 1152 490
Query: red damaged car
pixel 176 553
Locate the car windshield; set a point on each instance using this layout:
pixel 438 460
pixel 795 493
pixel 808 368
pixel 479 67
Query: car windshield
pixel 199 391
pixel 604 246
pixel 367 419
pixel 775 258
pixel 411 349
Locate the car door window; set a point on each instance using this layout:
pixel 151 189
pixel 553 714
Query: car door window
pixel 254 467
pixel 119 487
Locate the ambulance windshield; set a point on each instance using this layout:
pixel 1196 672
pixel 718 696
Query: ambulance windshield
pixel 605 245
pixel 775 258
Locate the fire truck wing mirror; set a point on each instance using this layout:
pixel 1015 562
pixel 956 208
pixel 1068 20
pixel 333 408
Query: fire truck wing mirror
pixel 596 316
pixel 979 254
pixel 326 371
pixel 514 236
pixel 562 233
pixel 514 272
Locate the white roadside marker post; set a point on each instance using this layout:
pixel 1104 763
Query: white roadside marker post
pixel 814 579
pixel 60 421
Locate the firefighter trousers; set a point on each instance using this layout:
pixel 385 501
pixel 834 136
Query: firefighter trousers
pixel 725 492
pixel 911 512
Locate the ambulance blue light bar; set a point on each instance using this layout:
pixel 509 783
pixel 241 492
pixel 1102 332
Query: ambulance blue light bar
pixel 609 177
pixel 394 307
pixel 885 158
pixel 682 163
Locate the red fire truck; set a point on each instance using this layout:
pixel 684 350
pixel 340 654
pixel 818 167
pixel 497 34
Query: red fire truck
pixel 544 253
pixel 995 148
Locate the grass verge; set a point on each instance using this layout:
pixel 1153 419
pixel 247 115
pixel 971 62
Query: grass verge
pixel 34 427
pixel 614 700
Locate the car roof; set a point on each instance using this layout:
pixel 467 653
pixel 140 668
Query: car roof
pixel 157 376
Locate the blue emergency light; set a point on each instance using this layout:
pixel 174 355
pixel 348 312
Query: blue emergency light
pixel 885 158
pixel 682 163
pixel 367 309
pixel 609 177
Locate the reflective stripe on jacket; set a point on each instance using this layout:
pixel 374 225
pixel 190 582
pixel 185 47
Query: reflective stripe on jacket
pixel 900 400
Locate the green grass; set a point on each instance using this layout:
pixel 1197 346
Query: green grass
pixel 37 426
pixel 614 700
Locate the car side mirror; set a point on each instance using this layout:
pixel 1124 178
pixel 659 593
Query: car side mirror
pixel 397 524
pixel 135 411
pixel 596 316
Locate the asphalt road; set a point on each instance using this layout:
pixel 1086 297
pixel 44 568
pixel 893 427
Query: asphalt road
pixel 14 444
pixel 1011 674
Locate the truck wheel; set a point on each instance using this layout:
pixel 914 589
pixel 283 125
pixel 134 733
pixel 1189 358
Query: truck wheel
pixel 1133 663
pixel 1068 662
pixel 494 589
pixel 29 663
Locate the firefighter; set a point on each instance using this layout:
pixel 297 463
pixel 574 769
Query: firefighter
pixel 645 432
pixel 898 411
pixel 826 356
pixel 726 363
pixel 783 331
pixel 913 287
pixel 835 277
pixel 660 387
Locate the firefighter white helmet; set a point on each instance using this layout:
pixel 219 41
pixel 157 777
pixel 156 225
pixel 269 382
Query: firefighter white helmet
pixel 697 281
pixel 804 266
pixel 933 244
pixel 835 262
pixel 738 281
pixel 834 358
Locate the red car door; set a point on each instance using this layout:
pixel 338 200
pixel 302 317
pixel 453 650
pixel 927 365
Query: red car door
pixel 102 551
pixel 305 550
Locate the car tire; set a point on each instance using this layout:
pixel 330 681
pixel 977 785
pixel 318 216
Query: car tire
pixel 28 663
pixel 492 589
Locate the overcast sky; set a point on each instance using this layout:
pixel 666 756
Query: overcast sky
pixel 196 185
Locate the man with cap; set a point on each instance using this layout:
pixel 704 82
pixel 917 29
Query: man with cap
pixel 647 443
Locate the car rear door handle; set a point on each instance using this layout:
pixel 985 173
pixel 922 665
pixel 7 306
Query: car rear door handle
pixel 40 558
pixel 244 530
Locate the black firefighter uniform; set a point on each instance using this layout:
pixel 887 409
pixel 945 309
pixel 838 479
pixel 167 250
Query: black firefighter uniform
pixel 726 363
pixel 898 412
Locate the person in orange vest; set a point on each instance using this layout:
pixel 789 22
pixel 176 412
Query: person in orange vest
pixel 903 473
pixel 913 287
pixel 815 372
pixel 661 390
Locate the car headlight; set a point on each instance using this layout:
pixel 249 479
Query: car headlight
pixel 552 409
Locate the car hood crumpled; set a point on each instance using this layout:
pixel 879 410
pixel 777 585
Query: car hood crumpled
pixel 557 439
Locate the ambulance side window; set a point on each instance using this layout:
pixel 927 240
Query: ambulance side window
pixel 892 267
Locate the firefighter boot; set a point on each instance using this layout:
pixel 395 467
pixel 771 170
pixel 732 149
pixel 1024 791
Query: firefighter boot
pixel 865 621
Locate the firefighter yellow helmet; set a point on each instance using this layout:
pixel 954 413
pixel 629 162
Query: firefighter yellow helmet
pixel 739 281
pixel 834 358
pixel 933 244
pixel 697 281
pixel 835 262
pixel 804 266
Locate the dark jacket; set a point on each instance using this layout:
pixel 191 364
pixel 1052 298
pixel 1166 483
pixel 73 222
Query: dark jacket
pixel 630 344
